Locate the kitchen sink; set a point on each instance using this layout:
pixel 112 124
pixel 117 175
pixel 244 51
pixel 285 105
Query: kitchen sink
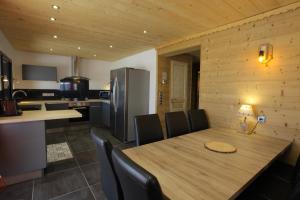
pixel 26 107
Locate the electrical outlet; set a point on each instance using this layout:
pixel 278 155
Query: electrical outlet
pixel 261 119
pixel 48 94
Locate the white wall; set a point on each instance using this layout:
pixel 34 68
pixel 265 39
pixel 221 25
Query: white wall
pixel 97 71
pixel 145 60
pixel 5 46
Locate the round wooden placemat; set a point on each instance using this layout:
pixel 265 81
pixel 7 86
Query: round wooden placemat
pixel 220 147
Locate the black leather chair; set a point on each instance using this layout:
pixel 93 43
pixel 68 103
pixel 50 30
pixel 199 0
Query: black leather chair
pixel 148 129
pixel 295 195
pixel 176 124
pixel 109 181
pixel 275 184
pixel 136 182
pixel 198 120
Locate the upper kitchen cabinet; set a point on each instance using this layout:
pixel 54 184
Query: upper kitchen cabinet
pixel 39 73
pixel 5 77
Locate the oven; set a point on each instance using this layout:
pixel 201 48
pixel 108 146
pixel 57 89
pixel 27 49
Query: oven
pixel 82 108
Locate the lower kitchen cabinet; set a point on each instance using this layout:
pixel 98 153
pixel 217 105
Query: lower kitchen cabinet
pixel 100 114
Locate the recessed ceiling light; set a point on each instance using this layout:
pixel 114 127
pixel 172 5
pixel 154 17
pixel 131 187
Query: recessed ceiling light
pixel 55 36
pixel 55 7
pixel 78 48
pixel 52 19
pixel 95 55
pixel 51 49
pixel 145 32
pixel 110 46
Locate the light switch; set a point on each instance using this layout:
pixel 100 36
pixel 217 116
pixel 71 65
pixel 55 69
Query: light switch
pixel 261 118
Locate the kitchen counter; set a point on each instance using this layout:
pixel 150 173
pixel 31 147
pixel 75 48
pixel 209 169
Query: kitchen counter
pixel 40 115
pixel 23 154
pixel 42 102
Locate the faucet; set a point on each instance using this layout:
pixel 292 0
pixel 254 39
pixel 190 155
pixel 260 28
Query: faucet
pixel 17 91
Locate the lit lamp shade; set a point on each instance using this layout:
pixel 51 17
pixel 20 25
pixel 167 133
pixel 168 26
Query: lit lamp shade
pixel 246 110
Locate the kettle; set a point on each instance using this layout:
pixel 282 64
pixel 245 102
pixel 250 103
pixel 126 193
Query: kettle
pixel 9 108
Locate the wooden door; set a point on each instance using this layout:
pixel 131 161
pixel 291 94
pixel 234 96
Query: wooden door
pixel 178 86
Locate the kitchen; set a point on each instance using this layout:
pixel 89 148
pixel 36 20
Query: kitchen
pixel 34 91
pixel 70 106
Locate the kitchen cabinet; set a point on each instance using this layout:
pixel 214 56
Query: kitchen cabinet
pixel 23 148
pixel 39 73
pixel 100 114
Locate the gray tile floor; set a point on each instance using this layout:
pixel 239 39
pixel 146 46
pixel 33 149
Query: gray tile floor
pixel 77 178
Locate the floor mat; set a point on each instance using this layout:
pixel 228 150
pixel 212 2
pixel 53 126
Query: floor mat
pixel 57 152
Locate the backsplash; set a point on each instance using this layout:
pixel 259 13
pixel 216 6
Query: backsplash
pixel 48 94
pixel 39 94
pixel 93 94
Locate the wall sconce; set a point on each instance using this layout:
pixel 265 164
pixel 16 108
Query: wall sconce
pixel 5 82
pixel 4 78
pixel 265 53
pixel 164 78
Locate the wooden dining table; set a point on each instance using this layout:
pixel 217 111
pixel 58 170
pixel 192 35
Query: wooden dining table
pixel 186 170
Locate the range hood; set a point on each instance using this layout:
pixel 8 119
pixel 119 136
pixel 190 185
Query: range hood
pixel 74 71
pixel 75 86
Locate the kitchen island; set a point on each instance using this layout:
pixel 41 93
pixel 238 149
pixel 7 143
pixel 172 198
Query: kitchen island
pixel 94 111
pixel 23 152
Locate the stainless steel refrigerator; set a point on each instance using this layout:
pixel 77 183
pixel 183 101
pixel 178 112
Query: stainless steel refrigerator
pixel 129 97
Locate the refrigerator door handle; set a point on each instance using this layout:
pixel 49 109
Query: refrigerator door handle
pixel 114 95
pixel 117 95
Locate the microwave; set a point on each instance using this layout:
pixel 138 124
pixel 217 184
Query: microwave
pixel 104 94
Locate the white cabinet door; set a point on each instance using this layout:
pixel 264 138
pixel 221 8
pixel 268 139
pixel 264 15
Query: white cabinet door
pixel 178 86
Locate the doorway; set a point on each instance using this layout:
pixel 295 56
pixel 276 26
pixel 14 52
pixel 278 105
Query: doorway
pixel 178 82
pixel 184 84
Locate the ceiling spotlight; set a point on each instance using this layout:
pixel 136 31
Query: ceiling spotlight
pixel 52 19
pixel 55 36
pixel 110 46
pixel 95 55
pixel 55 7
pixel 51 49
pixel 78 48
pixel 145 32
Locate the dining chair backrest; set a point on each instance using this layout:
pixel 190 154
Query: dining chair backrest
pixel 176 124
pixel 296 174
pixel 136 182
pixel 109 181
pixel 148 129
pixel 295 194
pixel 198 120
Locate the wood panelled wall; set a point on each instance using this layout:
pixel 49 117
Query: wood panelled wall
pixel 230 75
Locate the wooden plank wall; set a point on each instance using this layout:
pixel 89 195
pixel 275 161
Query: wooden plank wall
pixel 231 75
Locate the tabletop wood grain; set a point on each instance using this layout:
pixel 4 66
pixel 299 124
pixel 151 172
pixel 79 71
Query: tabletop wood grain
pixel 187 170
